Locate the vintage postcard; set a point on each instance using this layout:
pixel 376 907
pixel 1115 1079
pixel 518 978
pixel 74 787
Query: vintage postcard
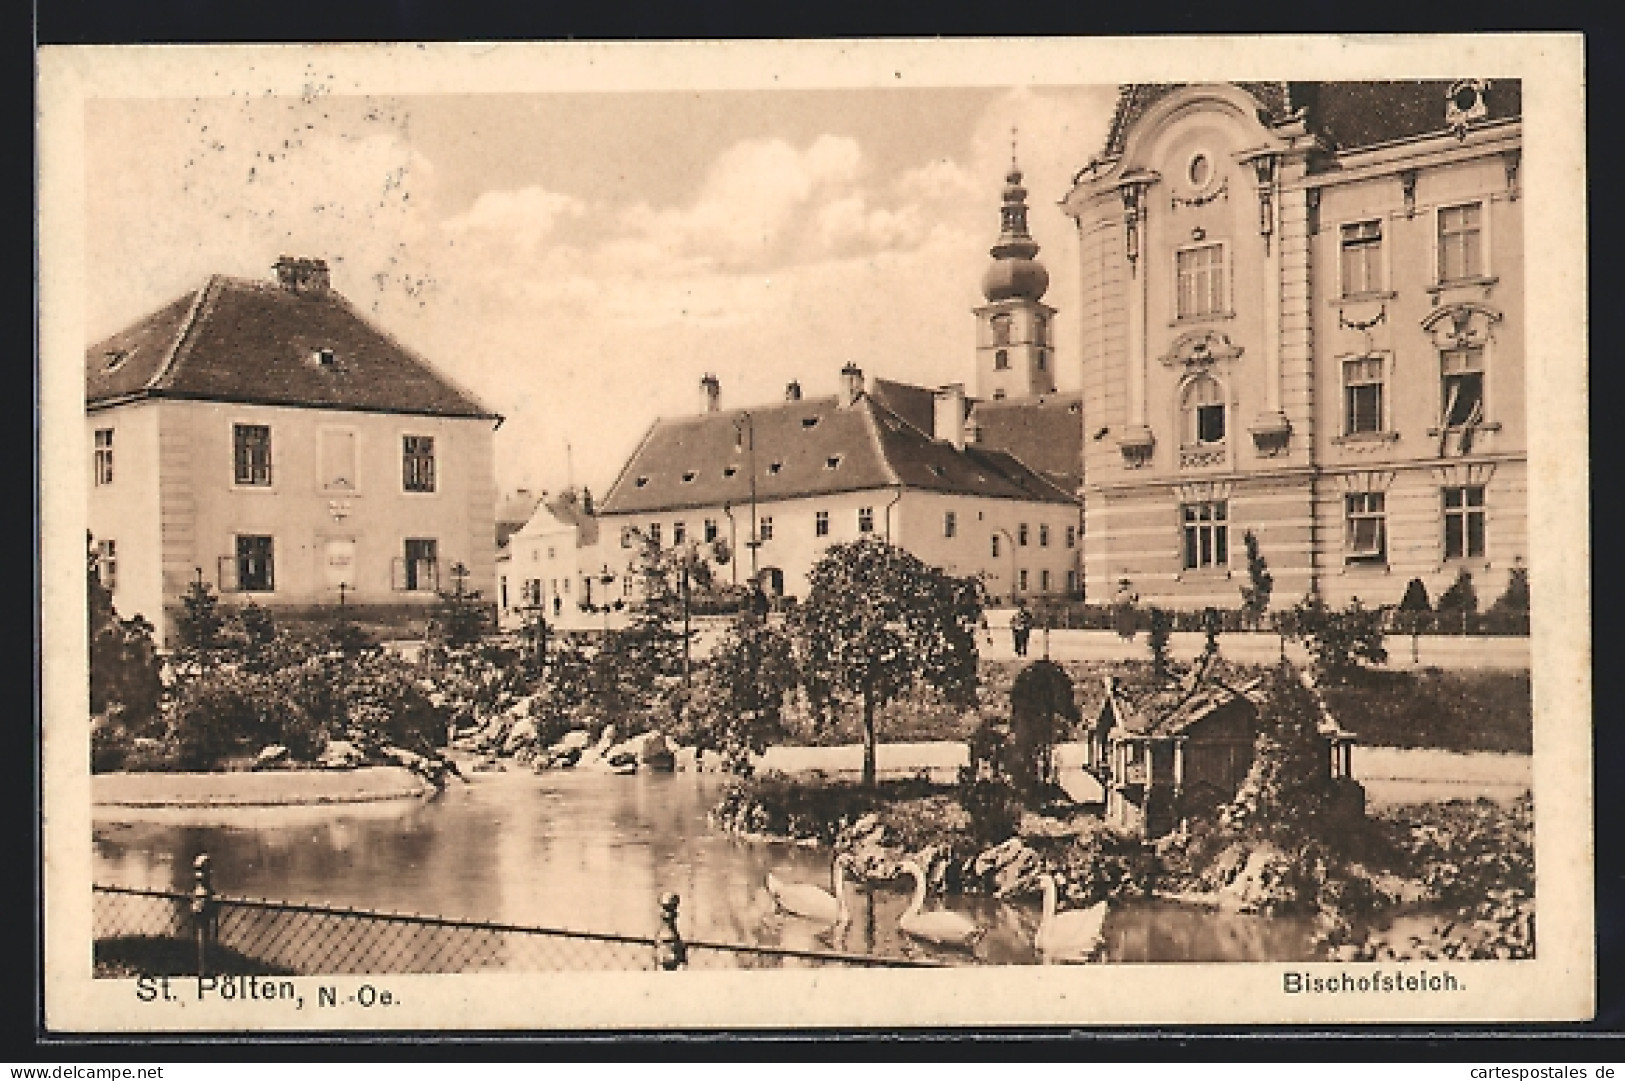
pixel 859 534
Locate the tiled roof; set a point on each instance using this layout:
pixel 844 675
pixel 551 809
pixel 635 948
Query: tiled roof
pixel 1044 432
pixel 243 341
pixel 569 509
pixel 1174 710
pixel 1348 115
pixel 807 448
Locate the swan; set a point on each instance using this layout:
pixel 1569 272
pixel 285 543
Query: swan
pixel 943 927
pixel 809 901
pixel 1069 936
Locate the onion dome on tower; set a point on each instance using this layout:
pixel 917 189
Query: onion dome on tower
pixel 1016 273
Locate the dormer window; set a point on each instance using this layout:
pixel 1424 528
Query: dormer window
pixel 809 422
pixel 730 470
pixel 115 359
pixel 642 482
pixel 832 462
pixel 688 476
pixel 775 468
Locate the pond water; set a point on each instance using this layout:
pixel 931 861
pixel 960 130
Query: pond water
pixel 593 852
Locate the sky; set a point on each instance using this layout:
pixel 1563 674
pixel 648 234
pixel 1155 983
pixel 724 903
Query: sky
pixel 579 261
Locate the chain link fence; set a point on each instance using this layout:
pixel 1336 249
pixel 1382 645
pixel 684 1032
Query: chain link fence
pixel 163 933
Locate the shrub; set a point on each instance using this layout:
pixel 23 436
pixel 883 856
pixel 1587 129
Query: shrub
pixel 1287 795
pixel 1510 612
pixel 1459 603
pixel 199 623
pixel 1041 695
pixel 1255 595
pixel 1161 625
pixel 994 807
pixel 1339 641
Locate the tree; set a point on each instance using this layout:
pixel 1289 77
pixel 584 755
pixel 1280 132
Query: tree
pixel 124 669
pixel 1287 793
pixel 878 621
pixel 461 615
pixel 1161 625
pixel 1339 641
pixel 752 670
pixel 1510 612
pixel 1460 601
pixel 1414 608
pixel 1040 695
pixel 1255 595
pixel 199 624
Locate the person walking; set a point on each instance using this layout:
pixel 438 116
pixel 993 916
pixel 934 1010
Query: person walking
pixel 1021 627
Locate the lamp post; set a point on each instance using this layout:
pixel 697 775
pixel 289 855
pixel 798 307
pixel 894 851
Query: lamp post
pixel 746 436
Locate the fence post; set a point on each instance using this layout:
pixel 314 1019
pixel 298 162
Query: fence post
pixel 204 915
pixel 671 952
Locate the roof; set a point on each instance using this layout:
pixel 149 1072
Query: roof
pixel 1171 712
pixel 235 340
pixel 813 447
pixel 570 510
pixel 1346 115
pixel 1045 432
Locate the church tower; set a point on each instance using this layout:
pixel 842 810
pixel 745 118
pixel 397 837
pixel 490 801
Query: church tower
pixel 1015 357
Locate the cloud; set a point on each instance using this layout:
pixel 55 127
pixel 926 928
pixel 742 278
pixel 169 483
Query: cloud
pixel 531 212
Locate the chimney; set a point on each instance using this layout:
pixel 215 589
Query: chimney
pixel 586 500
pixel 851 384
pixel 792 391
pixel 302 276
pixel 948 415
pixel 711 390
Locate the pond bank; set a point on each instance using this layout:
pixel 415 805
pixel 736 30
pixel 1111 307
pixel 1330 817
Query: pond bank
pixel 114 792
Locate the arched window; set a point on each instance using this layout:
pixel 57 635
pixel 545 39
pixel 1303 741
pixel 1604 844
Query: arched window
pixel 1203 408
pixel 1001 330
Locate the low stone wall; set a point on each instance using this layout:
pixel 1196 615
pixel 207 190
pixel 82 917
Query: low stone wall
pixel 266 788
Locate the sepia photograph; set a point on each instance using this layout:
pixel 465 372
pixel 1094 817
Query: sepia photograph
pixel 875 533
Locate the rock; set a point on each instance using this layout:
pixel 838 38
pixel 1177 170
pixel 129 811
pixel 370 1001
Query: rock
pixel 564 759
pixel 623 762
pixel 521 734
pixel 340 754
pixel 488 764
pixel 400 756
pixel 577 739
pixel 657 754
pixel 270 756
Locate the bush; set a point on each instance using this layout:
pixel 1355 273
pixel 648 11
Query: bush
pixel 1339 641
pixel 994 807
pixel 1040 696
pixel 1459 604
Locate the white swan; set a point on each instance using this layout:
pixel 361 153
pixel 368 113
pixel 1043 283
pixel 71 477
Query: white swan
pixel 1069 936
pixel 812 902
pixel 941 926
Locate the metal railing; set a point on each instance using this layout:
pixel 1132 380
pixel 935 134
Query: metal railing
pixel 165 933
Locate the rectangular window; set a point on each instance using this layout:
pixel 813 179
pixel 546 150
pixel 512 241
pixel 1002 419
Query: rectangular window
pixel 866 519
pixel 422 564
pixel 1021 534
pixel 417 463
pixel 679 532
pixel 1367 535
pixel 1043 581
pixel 1043 535
pixel 626 586
pixel 256 571
pixel 338 460
pixel 1072 582
pixel 1362 395
pixel 1464 522
pixel 1462 371
pixel 1461 253
pixel 1021 583
pixel 104 456
pixel 1071 536
pixel 1201 281
pixel 710 530
pixel 626 536
pixel 995 546
pixel 765 527
pixel 821 523
pixel 1207 534
pixel 107 564
pixel 654 534
pixel 1362 258
pixel 251 454
pixel 950 523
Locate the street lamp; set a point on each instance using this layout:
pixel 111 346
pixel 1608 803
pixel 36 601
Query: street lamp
pixel 746 436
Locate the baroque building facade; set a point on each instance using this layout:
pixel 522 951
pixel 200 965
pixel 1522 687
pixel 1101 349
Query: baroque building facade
pixel 1302 317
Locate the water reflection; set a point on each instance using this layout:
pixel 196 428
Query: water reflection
pixel 591 852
